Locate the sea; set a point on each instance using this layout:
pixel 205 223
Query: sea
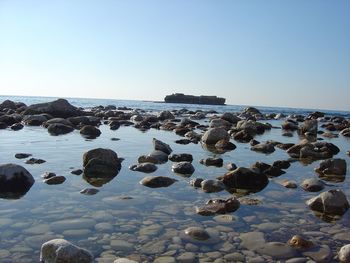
pixel 128 220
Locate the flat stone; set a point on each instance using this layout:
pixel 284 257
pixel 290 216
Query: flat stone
pixel 164 260
pixel 121 245
pixel 187 257
pixel 153 247
pixel 320 254
pixel 78 223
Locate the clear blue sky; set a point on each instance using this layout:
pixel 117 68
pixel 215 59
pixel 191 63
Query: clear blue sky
pixel 272 53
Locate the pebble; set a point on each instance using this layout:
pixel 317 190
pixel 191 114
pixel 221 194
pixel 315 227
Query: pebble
pixel 121 245
pixel 187 257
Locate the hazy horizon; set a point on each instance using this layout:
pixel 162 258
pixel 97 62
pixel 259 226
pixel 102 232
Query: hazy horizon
pixel 291 54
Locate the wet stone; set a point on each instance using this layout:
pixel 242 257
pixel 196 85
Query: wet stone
pixel 35 161
pixel 143 167
pixel 77 172
pixel 319 254
pixel 22 155
pixel 89 191
pixel 312 185
pixel 153 247
pixel 184 168
pixel 55 180
pixel 121 245
pixel 218 162
pixel 196 182
pixel 197 233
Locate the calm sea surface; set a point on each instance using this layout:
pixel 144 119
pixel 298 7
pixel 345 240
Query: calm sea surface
pixel 126 219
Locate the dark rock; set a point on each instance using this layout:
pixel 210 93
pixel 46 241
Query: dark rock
pixel 287 134
pixel 252 111
pixel 15 181
pixel 196 182
pixel 159 156
pixel 143 167
pixel 100 166
pixel 312 185
pixel 254 142
pixel 48 175
pixel 22 155
pixel 218 206
pixel 35 161
pixel 218 162
pixel 182 157
pixel 184 168
pixel 309 126
pixel 166 115
pixel 332 202
pixel 244 178
pixel 285 146
pixel 8 104
pixel 59 179
pixel 332 167
pixel 59 108
pixel 231 166
pixel 220 123
pixel 183 141
pixel 115 139
pixel 77 172
pixel 3 125
pixel 289 125
pixel 263 148
pixel 242 136
pixel 16 127
pixel 345 132
pixel 58 129
pixel 225 145
pixel 316 115
pixel 212 186
pixel 34 120
pixel 161 146
pixel 58 120
pixel 89 191
pixel 60 250
pixel 313 151
pixel 233 119
pixel 191 99
pixel 281 164
pixel 157 181
pixel 90 131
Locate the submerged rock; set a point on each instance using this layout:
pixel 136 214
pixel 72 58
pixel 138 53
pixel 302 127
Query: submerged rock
pixel 197 233
pixel 22 155
pixel 60 250
pixel 332 202
pixel 157 181
pixel 218 206
pixel 300 242
pixel 15 181
pixel 35 161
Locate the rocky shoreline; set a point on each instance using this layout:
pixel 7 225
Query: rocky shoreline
pixel 217 134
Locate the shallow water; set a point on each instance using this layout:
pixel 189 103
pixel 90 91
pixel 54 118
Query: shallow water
pixel 127 219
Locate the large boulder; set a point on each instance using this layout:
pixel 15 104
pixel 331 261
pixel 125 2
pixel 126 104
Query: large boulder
pixel 8 104
pixel 313 151
pixel 100 166
pixel 34 120
pixel 90 132
pixel 214 135
pixel 230 117
pixel 244 178
pixel 332 202
pixel 60 250
pixel 58 108
pixel 15 181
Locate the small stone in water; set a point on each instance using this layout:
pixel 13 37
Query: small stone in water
pixel 48 175
pixel 89 191
pixel 35 161
pixel 77 172
pixel 197 233
pixel 55 180
pixel 22 155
